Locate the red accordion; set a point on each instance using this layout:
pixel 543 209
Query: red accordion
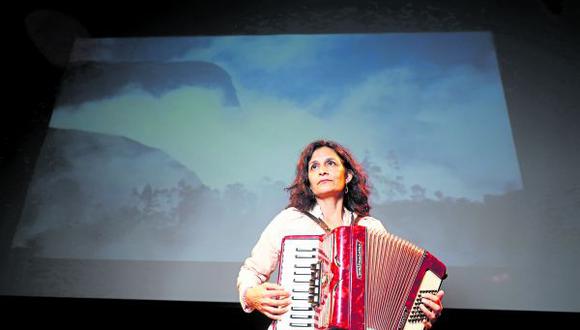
pixel 356 278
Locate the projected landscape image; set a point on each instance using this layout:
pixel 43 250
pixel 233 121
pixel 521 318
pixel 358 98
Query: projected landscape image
pixel 179 149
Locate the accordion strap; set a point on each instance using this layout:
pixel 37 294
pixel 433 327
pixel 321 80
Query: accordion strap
pixel 354 222
pixel 319 221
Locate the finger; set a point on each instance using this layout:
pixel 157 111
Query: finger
pixel 277 293
pixel 436 298
pixel 275 310
pixel 276 302
pixel 430 315
pixel 284 302
pixel 427 325
pixel 272 286
pixel 271 316
pixel 431 296
pixel 435 307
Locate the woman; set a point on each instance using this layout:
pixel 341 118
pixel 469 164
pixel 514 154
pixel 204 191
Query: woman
pixel 332 186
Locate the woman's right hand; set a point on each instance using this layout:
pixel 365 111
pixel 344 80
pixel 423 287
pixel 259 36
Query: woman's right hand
pixel 270 299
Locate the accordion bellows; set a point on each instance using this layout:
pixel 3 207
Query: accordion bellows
pixel 356 278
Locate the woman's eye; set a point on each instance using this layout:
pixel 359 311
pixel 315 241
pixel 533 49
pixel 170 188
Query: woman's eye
pixel 313 166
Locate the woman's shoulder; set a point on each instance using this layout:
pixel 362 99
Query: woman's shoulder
pixel 287 214
pixel 291 221
pixel 371 222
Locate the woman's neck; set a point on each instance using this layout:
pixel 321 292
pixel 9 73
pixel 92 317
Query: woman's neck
pixel 331 211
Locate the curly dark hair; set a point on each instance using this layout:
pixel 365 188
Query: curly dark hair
pixel 356 200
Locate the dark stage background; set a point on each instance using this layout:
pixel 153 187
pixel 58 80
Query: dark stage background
pixel 537 45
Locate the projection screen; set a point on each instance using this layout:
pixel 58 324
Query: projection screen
pixel 166 157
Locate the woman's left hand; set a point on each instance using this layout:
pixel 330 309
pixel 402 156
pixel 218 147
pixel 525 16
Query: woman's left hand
pixel 431 307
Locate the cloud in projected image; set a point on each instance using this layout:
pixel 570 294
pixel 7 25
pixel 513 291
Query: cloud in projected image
pixel 444 123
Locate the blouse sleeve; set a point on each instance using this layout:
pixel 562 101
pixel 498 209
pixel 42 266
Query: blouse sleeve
pixel 258 267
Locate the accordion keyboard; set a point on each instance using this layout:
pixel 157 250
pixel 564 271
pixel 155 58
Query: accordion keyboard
pixel 298 276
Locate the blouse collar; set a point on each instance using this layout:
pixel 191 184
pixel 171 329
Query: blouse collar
pixel 347 216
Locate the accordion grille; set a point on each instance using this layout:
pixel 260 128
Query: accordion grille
pixel 391 267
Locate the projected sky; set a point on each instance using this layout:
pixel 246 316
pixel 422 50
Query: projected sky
pixel 156 143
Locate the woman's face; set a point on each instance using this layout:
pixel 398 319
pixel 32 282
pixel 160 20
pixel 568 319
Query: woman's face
pixel 326 174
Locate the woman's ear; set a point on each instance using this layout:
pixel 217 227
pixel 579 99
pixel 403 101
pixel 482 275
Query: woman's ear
pixel 349 176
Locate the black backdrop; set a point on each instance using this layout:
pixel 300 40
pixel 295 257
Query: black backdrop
pixel 537 45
